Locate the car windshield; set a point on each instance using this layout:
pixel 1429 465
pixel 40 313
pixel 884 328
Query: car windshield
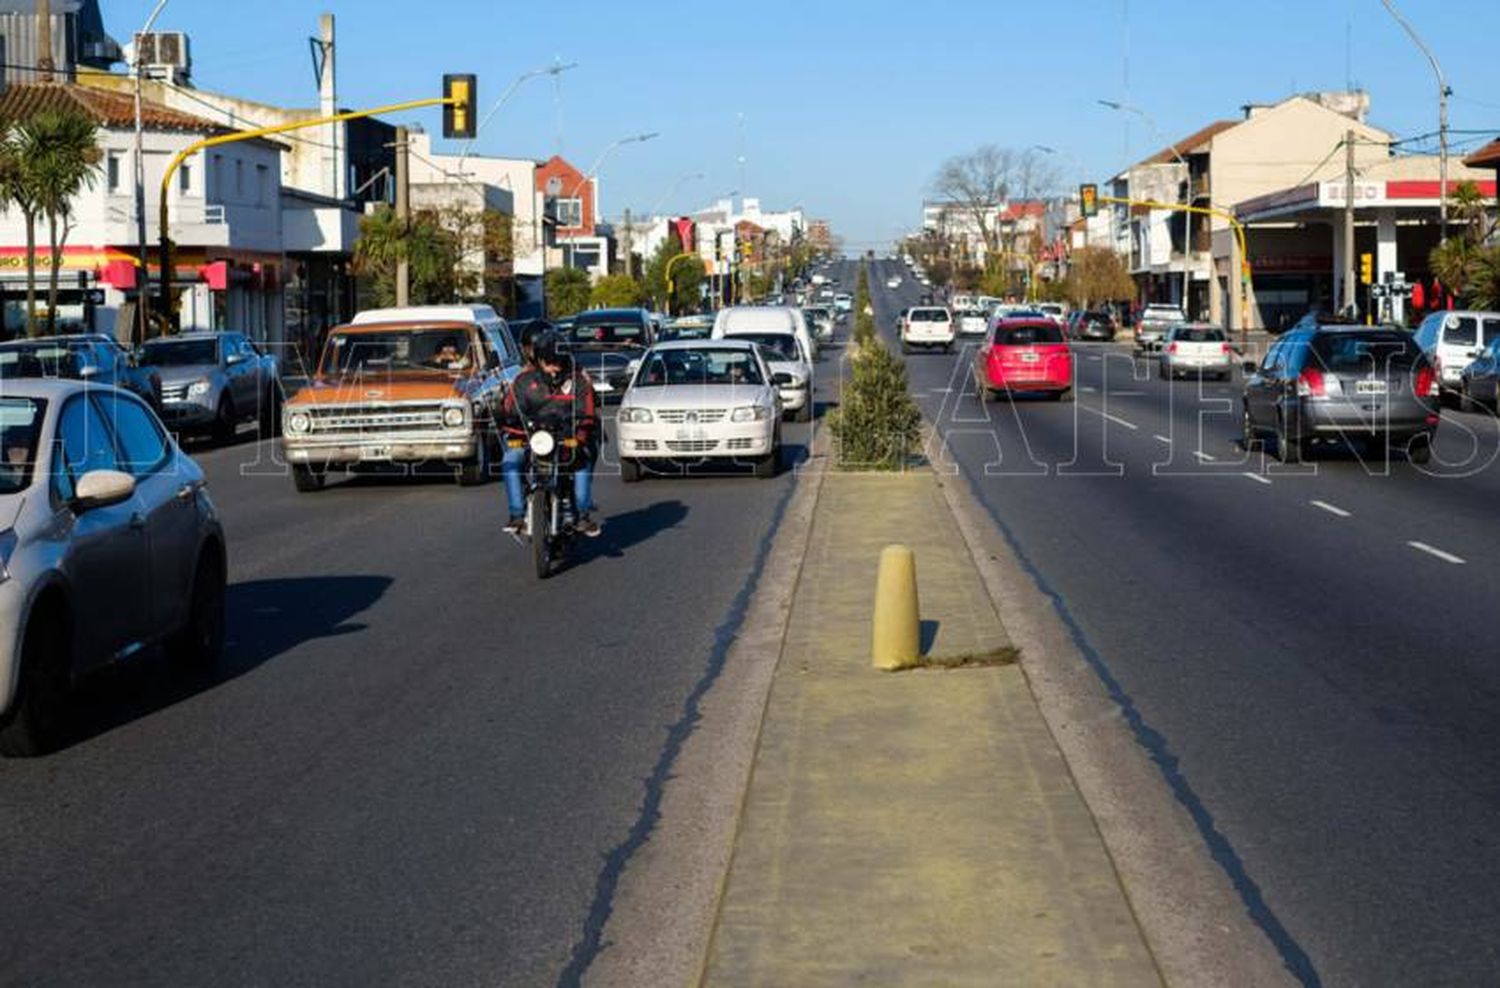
pixel 615 332
pixel 38 360
pixel 1196 334
pixel 971 314
pixel 179 353
pixel 929 315
pixel 1461 331
pixel 708 365
pixel 1364 353
pixel 397 351
pixel 1028 335
pixel 20 428
pixel 778 346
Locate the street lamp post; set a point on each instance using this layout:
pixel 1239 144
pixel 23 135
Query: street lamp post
pixel 689 177
pixel 552 70
pixel 143 294
pixel 1081 173
pixel 599 162
pixel 1443 93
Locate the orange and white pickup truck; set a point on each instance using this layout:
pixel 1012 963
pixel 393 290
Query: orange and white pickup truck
pixel 404 387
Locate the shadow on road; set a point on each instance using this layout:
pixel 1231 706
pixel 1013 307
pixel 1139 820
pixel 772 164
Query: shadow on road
pixel 623 531
pixel 265 619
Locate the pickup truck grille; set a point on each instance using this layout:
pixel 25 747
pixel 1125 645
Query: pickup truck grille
pixel 377 418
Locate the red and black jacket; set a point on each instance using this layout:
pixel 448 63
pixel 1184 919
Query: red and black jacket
pixel 567 408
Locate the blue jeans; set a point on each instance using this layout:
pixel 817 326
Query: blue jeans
pixel 515 490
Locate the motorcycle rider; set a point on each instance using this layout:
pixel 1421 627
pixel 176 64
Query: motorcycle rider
pixel 552 394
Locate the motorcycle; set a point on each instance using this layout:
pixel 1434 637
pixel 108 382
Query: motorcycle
pixel 550 511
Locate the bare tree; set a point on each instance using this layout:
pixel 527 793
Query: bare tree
pixel 978 183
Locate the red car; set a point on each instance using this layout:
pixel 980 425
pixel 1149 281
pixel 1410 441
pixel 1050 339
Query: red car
pixel 1022 356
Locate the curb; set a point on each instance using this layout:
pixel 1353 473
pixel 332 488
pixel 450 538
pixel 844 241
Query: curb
pixel 1196 925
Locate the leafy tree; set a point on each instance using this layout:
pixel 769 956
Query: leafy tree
pixel 687 277
pixel 432 253
pixel 18 191
pixel 939 272
pixel 617 291
pixel 1098 274
pixel 1463 262
pixel 567 292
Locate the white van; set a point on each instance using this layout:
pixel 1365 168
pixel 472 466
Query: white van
pixel 765 318
pixel 927 326
pixel 1452 339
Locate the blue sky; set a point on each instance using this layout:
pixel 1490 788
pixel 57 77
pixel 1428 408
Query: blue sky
pixel 848 107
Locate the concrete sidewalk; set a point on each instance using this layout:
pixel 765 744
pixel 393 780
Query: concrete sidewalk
pixel 915 828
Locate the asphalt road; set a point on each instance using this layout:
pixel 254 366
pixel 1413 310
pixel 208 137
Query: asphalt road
pixel 418 764
pixel 1321 693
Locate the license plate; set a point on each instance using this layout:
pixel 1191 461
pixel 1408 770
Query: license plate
pixel 1370 387
pixel 375 453
pixel 1030 358
pixel 692 435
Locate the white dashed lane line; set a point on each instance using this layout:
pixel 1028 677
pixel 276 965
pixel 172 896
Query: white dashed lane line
pixel 1162 439
pixel 1446 557
pixel 1256 477
pixel 1332 509
pixel 1113 418
pixel 1204 457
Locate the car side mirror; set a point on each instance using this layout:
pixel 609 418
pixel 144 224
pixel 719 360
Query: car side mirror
pixel 1249 366
pixel 782 379
pixel 87 371
pixel 234 358
pixel 101 488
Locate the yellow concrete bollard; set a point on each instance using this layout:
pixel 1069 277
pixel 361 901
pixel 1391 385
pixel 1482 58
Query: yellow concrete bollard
pixel 897 641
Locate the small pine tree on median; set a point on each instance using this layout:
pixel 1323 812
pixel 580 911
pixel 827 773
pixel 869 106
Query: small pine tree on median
pixel 877 424
pixel 864 322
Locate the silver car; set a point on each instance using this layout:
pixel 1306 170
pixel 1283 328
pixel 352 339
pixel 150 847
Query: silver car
pixel 1195 349
pixel 109 543
pixel 212 382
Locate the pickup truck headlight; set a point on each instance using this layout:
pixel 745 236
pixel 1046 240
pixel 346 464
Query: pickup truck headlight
pixel 453 416
pixel 638 416
pixel 199 387
pixel 298 422
pixel 750 413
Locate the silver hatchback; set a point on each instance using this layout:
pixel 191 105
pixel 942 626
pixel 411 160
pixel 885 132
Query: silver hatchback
pixel 109 543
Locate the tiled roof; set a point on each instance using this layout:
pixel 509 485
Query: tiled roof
pixel 1190 143
pixel 105 108
pixel 1486 157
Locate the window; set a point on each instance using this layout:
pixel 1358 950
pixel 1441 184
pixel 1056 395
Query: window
pixel 113 169
pixel 239 178
pixel 185 179
pixel 218 177
pixel 20 427
pixel 569 212
pixel 140 447
pixel 86 441
pixel 262 184
pixel 1461 331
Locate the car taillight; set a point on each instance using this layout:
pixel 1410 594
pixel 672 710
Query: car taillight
pixel 1313 383
pixel 1224 348
pixel 1425 382
pixel 1172 348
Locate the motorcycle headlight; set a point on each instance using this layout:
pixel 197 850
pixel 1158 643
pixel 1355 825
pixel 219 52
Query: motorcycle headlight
pixel 453 416
pixel 639 416
pixel 199 387
pixel 542 443
pixel 750 413
pixel 298 422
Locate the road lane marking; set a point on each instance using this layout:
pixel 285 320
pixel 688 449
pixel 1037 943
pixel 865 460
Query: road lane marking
pixel 1128 394
pixel 1114 418
pixel 1203 456
pixel 1088 389
pixel 1162 439
pixel 1256 477
pixel 1446 557
pixel 1332 509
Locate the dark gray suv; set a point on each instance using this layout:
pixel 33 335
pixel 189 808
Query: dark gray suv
pixel 1341 382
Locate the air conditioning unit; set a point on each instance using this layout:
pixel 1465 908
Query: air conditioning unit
pixel 164 55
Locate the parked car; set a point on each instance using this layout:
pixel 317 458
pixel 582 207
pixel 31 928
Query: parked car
pixel 1341 382
pixel 604 342
pixel 971 321
pixel 91 357
pixel 111 544
pixel 1479 384
pixel 211 382
pixel 765 318
pixel 693 401
pixel 1195 348
pixel 1152 327
pixel 1094 327
pixel 1025 356
pixel 784 355
pixel 927 327
pixel 1451 339
pixel 405 387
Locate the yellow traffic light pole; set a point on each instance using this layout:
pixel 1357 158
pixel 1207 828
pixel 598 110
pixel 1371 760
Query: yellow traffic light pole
pixel 672 261
pixel 250 135
pixel 1239 233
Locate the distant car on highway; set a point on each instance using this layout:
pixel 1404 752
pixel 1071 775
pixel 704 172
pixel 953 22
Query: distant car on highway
pixel 1195 348
pixel 1055 311
pixel 1095 327
pixel 765 318
pixel 91 357
pixel 604 342
pixel 695 401
pixel 893 282
pixel 929 327
pixel 1153 325
pixel 843 301
pixel 820 318
pixel 110 544
pixel 971 321
pixel 693 327
pixel 211 382
pixel 1024 356
pixel 1338 383
pixel 1451 339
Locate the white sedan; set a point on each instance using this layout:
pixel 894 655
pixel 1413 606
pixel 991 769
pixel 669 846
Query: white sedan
pixel 697 400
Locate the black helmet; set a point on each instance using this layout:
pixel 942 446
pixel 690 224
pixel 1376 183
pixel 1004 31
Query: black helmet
pixel 530 330
pixel 547 346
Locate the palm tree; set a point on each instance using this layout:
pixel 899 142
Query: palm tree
pixel 59 158
pixel 17 189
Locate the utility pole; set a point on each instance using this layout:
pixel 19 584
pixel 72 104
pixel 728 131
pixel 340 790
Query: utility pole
pixel 44 63
pixel 403 215
pixel 143 288
pixel 629 258
pixel 1349 262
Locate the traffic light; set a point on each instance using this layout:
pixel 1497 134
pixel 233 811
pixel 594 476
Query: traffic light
pixel 459 123
pixel 1088 199
pixel 1366 268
